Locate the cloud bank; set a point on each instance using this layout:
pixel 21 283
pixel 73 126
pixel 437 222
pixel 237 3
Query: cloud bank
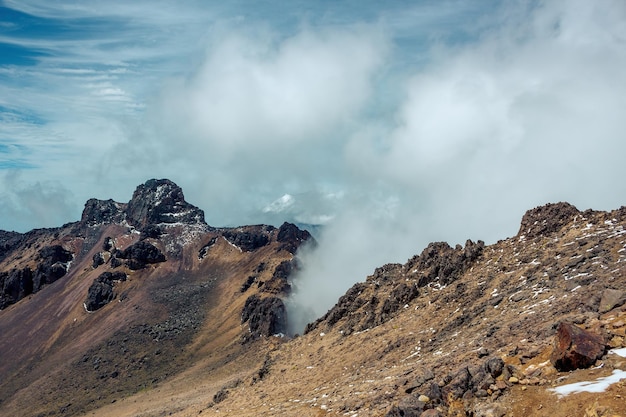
pixel 391 126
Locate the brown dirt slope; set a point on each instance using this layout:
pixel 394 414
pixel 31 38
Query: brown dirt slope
pixel 415 329
pixel 463 331
pixel 166 317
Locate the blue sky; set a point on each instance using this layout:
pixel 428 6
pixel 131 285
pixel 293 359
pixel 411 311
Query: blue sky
pixel 393 123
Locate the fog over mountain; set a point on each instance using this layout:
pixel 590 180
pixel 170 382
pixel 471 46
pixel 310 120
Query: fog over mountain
pixel 391 125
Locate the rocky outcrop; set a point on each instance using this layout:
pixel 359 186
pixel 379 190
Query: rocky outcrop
pixel 205 248
pixel 265 317
pixel 161 202
pixel 438 263
pixel 292 237
pixel 101 291
pixel 442 263
pixel 547 219
pixel 15 285
pixel 486 379
pixel 250 239
pixel 53 263
pixel 139 255
pixel 98 212
pixel 8 242
pixel 576 348
pixel 279 283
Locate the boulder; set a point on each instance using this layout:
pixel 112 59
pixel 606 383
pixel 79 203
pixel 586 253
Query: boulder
pixel 140 254
pixel 494 367
pixel 15 285
pixel 458 385
pixel 97 260
pixel 611 299
pixel 576 348
pixel 409 406
pixel 101 292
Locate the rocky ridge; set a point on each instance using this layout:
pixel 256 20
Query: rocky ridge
pixel 468 331
pixel 197 326
pixel 166 270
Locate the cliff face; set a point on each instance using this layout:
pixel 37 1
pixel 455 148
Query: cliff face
pixel 112 303
pixel 141 308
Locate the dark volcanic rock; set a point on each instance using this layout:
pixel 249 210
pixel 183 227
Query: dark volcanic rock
pixel 247 284
pixel 346 304
pixel 8 242
pixel 205 249
pixel 19 283
pixel 291 237
pixel 97 260
pixel 408 406
pixel 55 253
pixel 494 367
pixel 140 254
pixel 399 297
pixel 97 212
pixel 151 231
pixel 440 261
pixel 161 201
pixel 546 219
pixel 265 317
pixel 279 283
pixel 575 348
pixel 459 384
pixel 101 292
pixel 249 240
pixel 15 285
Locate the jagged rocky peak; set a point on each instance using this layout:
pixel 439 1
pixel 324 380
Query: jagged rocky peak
pixel 546 219
pixel 102 211
pixel 161 201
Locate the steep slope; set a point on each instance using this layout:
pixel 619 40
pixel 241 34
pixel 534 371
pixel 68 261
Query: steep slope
pixel 159 314
pixel 464 331
pixel 129 296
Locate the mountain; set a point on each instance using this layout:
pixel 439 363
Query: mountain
pixel 142 309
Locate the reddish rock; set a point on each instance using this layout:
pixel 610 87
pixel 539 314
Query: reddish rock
pixel 575 348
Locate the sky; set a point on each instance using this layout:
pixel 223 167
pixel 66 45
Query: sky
pixel 393 124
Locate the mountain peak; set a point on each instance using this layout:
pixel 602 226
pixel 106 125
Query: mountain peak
pixel 157 201
pixel 161 201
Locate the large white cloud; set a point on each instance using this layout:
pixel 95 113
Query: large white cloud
pixel 441 121
pixel 530 113
pixel 252 93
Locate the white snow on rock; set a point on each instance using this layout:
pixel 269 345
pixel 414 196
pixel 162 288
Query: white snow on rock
pixel 619 352
pixel 597 385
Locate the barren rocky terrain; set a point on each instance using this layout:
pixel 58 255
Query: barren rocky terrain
pixel 142 309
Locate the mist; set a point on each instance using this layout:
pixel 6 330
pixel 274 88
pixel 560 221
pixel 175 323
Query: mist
pixel 384 127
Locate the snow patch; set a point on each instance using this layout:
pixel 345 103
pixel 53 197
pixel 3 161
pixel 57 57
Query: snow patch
pixel 598 385
pixel 619 352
